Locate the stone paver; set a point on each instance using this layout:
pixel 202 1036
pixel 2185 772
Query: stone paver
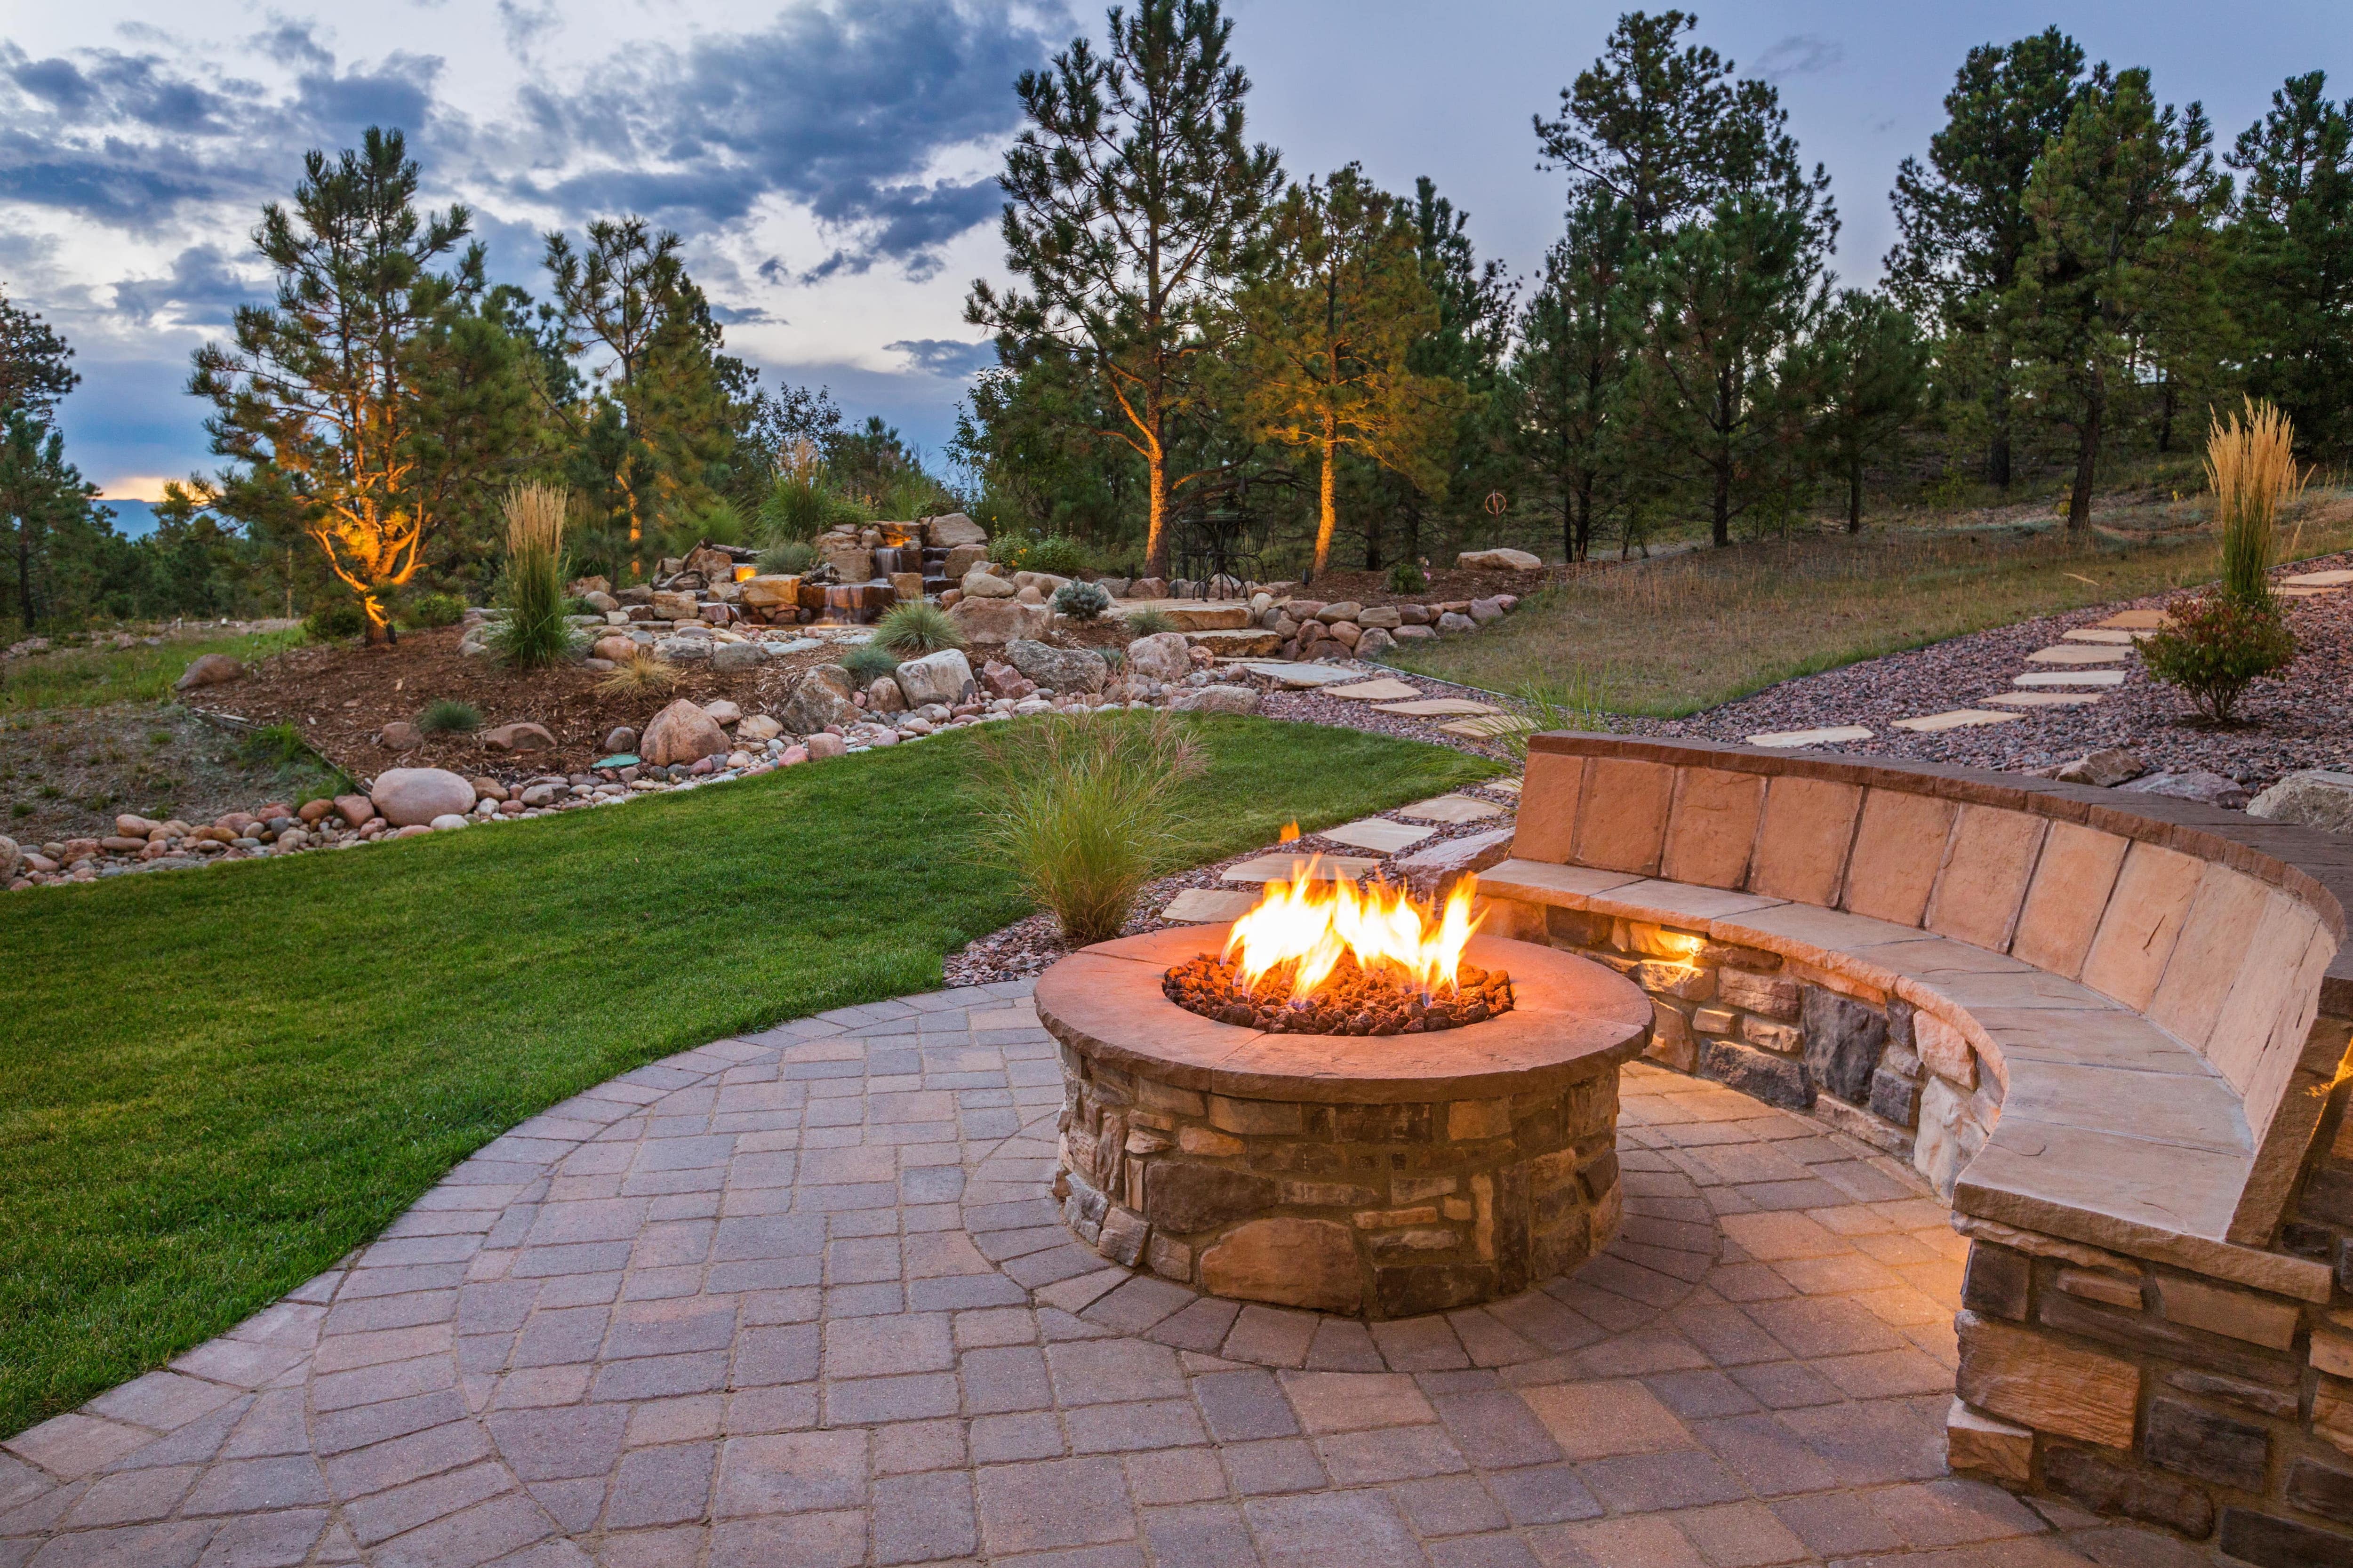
pixel 1450 808
pixel 1377 833
pixel 1828 735
pixel 801 1297
pixel 1438 707
pixel 2336 579
pixel 1955 719
pixel 2041 699
pixel 1386 690
pixel 1202 904
pixel 1290 868
pixel 2071 677
pixel 2079 653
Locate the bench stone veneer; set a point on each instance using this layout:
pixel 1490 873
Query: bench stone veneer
pixel 2111 1030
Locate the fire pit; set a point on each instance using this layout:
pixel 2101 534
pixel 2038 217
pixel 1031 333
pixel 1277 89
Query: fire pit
pixel 1377 1174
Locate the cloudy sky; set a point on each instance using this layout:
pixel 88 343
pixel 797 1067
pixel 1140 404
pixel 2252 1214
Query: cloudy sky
pixel 831 164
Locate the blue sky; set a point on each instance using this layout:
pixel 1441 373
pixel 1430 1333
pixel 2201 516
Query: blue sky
pixel 831 166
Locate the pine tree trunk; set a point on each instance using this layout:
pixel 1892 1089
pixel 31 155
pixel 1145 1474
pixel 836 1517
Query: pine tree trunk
pixel 2087 456
pixel 1854 497
pixel 1327 516
pixel 1998 449
pixel 1155 540
pixel 1719 517
pixel 25 570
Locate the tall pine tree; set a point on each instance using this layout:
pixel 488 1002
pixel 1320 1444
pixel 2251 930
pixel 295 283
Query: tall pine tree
pixel 2291 259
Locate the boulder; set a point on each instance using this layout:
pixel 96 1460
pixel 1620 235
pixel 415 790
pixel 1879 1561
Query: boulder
pixel 1216 700
pixel 2316 797
pixel 682 733
pixel 1004 680
pixel 1413 616
pixel 1415 634
pixel 400 735
pixel 953 528
pixel 675 607
pixel 963 558
pixel 821 697
pixel 773 591
pixel 1044 582
pixel 1029 596
pixel 982 584
pixel 620 738
pixel 354 809
pixel 1346 632
pixel 603 604
pixel 884 696
pixel 581 587
pixel 525 737
pixel 723 711
pixel 615 649
pixel 409 797
pixel 1339 610
pixel 1063 670
pixel 1116 586
pixel 1449 623
pixel 2211 789
pixel 1486 612
pixel 2107 768
pixel 1148 588
pixel 1207 617
pixel 1163 656
pixel 852 562
pixel 1497 560
pixel 210 670
pixel 731 656
pixel 941 676
pixel 1385 616
pixel 11 859
pixel 999 620
pixel 715 566
pixel 448 822
pixel 684 650
pixel 906 586
pixel 1375 640
pixel 824 744
pixel 758 727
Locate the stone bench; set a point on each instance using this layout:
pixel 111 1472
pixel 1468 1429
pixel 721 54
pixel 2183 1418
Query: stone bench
pixel 2112 1030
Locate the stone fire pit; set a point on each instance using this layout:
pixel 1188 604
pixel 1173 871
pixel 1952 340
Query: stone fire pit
pixel 1381 1176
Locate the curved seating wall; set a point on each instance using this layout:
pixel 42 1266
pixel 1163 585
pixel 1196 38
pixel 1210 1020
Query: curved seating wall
pixel 2111 1027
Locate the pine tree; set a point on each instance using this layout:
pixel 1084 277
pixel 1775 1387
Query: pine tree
pixel 1328 325
pixel 1474 329
pixel 1568 371
pixel 1964 220
pixel 2119 203
pixel 36 363
pixel 318 395
pixel 43 501
pixel 1131 192
pixel 1864 372
pixel 2290 249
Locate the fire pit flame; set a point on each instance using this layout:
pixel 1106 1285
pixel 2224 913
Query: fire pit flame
pixel 1312 924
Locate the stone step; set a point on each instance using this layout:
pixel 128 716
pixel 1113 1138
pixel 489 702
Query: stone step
pixel 1291 867
pixel 2072 678
pixel 2078 653
pixel 2336 579
pixel 1450 808
pixel 1203 905
pixel 2105 635
pixel 1385 689
pixel 1377 833
pixel 1436 708
pixel 1828 735
pixel 2042 699
pixel 1957 719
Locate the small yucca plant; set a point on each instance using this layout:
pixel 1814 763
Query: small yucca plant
pixel 534 632
pixel 1084 807
pixel 916 627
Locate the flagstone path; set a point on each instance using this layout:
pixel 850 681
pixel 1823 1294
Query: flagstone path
pixel 800 1299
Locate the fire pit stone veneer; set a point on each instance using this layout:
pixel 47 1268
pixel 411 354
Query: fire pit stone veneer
pixel 1382 1176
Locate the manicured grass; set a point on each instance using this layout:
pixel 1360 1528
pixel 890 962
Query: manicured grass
pixel 1676 635
pixel 93 678
pixel 219 1081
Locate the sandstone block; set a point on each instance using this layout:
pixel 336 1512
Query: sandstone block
pixel 1987 869
pixel 2222 1309
pixel 1255 1118
pixel 2105 1487
pixel 2212 1447
pixel 2034 1380
pixel 1773 995
pixel 1498 561
pixel 1987 1445
pixel 2098 1284
pixel 1307 1263
pixel 1714 826
pixel 1801 846
pixel 1473 1118
pixel 1898 846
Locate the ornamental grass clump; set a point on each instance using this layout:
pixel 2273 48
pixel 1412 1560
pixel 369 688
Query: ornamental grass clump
pixel 1148 621
pixel 535 633
pixel 2251 469
pixel 917 627
pixel 450 717
pixel 868 661
pixel 1084 808
pixel 644 673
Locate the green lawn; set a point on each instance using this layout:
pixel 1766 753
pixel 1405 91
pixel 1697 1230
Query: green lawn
pixel 93 678
pixel 220 1081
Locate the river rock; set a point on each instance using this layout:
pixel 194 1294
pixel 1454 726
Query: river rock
pixel 1148 588
pixel 410 797
pixel 941 676
pixel 758 727
pixel 981 583
pixel 731 656
pixel 1063 670
pixel 682 733
pixel 1486 612
pixel 1163 656
pixel 11 859
pixel 2314 797
pixel 684 650
pixel 354 809
pixel 1375 640
pixel 1450 624
pixel 210 670
pixel 1216 700
pixel 999 620
pixel 1498 561
pixel 400 735
pixel 620 738
pixel 2211 789
pixel 525 737
pixel 884 695
pixel 617 649
pixel 825 743
pixel 723 711
pixel 448 822
pixel 822 697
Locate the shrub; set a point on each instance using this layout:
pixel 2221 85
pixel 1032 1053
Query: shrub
pixel 1081 601
pixel 790 559
pixel 1084 808
pixel 1056 554
pixel 2213 646
pixel 450 717
pixel 916 627
pixel 867 660
pixel 1144 622
pixel 335 620
pixel 1405 577
pixel 2251 469
pixel 534 632
pixel 643 674
pixel 433 610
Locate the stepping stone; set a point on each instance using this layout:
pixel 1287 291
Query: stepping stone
pixel 1958 719
pixel 2306 592
pixel 1450 808
pixel 1203 905
pixel 2072 678
pixel 1377 833
pixel 1503 787
pixel 1484 729
pixel 1303 675
pixel 2103 634
pixel 1381 690
pixel 2042 698
pixel 1828 736
pixel 2135 620
pixel 2336 579
pixel 2076 653
pixel 1292 868
pixel 1436 708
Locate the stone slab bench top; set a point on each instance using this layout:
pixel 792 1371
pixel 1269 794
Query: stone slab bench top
pixel 1570 1019
pixel 2113 1132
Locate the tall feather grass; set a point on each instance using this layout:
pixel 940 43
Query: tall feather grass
pixel 1084 807
pixel 535 633
pixel 2251 470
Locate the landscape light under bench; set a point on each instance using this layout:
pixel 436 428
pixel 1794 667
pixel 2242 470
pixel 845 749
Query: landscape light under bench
pixel 1345 1101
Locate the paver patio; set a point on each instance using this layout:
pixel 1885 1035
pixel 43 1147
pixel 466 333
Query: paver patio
pixel 800 1299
